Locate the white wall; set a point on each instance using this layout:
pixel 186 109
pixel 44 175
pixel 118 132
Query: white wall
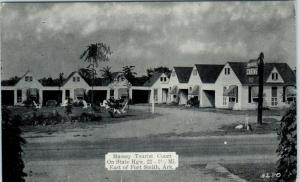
pixel 227 80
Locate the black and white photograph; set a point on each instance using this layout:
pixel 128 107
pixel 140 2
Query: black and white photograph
pixel 148 91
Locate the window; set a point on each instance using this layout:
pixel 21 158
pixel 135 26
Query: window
pixel 165 79
pixel 231 99
pixel 28 78
pixel 78 79
pixel 111 93
pixel 67 94
pixel 195 72
pixel 227 71
pixel 19 96
pixel 274 99
pixel 161 79
pixel 274 76
pixel 224 100
pixel 74 79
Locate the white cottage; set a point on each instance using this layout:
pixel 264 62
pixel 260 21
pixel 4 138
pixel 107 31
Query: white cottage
pixel 235 89
pixel 178 84
pixel 202 83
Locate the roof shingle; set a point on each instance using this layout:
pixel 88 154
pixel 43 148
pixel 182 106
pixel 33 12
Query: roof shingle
pixel 183 73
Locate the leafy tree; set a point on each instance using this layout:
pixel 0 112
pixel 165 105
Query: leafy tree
pixel 287 149
pixel 160 69
pixel 87 74
pixel 95 53
pixel 129 73
pixel 106 73
pixel 12 163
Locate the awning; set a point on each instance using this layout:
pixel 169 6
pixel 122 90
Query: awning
pixel 79 92
pixel 291 91
pixel 195 90
pixel 33 91
pixel 232 91
pixel 173 90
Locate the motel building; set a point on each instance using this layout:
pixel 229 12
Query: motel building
pixel 74 87
pixel 230 86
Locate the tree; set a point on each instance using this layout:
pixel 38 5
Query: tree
pixel 160 69
pixel 95 53
pixel 106 73
pixel 129 74
pixel 12 142
pixel 287 148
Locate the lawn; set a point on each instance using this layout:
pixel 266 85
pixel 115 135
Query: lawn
pixel 253 172
pixel 269 125
pixel 266 112
pixel 102 118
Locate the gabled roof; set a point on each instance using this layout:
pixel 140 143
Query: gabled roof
pixel 152 79
pixel 284 70
pixel 209 72
pixel 183 73
pixel 71 75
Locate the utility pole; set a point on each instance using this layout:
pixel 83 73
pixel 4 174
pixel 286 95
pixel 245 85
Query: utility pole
pixel 260 87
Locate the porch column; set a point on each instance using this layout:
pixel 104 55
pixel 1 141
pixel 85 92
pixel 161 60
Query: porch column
pixel 15 96
pixel 201 98
pixel 130 93
pixel 41 96
pixel 107 94
pixel 63 96
pixel 116 93
pixel 152 100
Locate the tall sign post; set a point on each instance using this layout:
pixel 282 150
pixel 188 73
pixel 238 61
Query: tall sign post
pixel 255 71
pixel 260 87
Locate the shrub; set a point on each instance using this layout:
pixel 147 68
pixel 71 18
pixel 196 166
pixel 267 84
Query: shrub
pixel 28 103
pixel 86 117
pixel 12 163
pixel 287 150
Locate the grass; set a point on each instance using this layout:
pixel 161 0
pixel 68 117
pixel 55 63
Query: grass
pixel 267 112
pixel 269 125
pixel 252 172
pixel 76 111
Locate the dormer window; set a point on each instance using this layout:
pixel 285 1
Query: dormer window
pixel 76 79
pixel 274 76
pixel 28 78
pixel 227 71
pixel 163 79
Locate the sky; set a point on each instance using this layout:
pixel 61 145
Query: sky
pixel 48 38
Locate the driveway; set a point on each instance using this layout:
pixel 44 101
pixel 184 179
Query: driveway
pixel 166 121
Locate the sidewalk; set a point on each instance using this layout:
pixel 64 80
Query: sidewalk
pixel 94 170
